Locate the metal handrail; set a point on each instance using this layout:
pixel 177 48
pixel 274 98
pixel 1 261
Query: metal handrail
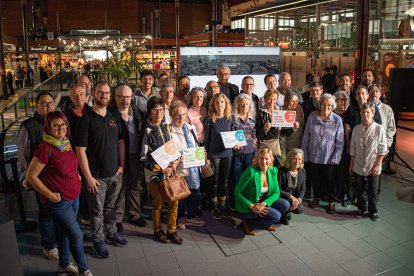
pixel 52 85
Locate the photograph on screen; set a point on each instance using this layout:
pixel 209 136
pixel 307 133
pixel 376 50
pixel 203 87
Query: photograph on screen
pixel 200 64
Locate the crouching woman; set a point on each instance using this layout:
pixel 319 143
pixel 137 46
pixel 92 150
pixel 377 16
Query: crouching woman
pixel 257 195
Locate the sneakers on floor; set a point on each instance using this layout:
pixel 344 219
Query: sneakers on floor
pixel 195 222
pixel 161 237
pixel 86 273
pixel 139 222
pixel 346 203
pixel 216 213
pixel 100 250
pixel 374 216
pixel 359 213
pixel 117 240
pixel 52 254
pixel 70 269
pixel 174 238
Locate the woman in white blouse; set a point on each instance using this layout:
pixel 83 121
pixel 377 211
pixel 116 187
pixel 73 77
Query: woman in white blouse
pixel 368 148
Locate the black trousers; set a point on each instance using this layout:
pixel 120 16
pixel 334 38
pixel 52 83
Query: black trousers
pixel 218 184
pixel 322 180
pixel 367 186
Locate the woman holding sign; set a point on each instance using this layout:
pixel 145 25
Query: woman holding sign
pixel 268 135
pixel 154 136
pixel 244 119
pixel 322 144
pixel 219 120
pixel 184 136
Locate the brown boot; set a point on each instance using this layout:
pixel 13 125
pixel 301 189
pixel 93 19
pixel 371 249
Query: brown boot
pixel 247 230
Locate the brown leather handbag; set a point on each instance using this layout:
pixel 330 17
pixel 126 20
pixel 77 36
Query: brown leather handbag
pixel 174 188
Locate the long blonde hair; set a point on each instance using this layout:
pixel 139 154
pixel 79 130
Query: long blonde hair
pixel 262 151
pixel 291 154
pixel 212 112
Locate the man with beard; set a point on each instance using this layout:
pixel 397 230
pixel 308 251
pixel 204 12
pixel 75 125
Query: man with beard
pixel 74 112
pixel 227 88
pixel 183 88
pixel 100 150
pixel 131 120
pixel 285 86
pixel 367 78
pixel 212 88
pixel 30 137
pixel 346 86
pixel 147 91
pixel 248 88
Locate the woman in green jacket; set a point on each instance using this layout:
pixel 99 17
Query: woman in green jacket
pixel 258 196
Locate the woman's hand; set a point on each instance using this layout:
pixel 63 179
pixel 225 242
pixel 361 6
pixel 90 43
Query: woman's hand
pixel 267 126
pixel 260 209
pixel 295 202
pixel 55 198
pixel 296 125
pixel 237 147
pixel 376 170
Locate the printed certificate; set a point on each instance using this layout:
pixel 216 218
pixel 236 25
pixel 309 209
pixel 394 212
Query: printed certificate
pixel 166 154
pixel 283 118
pixel 233 138
pixel 194 157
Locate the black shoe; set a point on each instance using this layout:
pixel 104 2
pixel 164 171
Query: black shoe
pixel 374 216
pixel 119 228
pixel 224 211
pixel 139 222
pixel 174 238
pixel 288 216
pixel 232 206
pixel 330 209
pixel 359 213
pixel 199 211
pixel 100 250
pixel 346 203
pixel 216 213
pixel 284 221
pixel 161 237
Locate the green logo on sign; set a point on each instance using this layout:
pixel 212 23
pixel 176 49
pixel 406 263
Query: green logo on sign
pixel 199 154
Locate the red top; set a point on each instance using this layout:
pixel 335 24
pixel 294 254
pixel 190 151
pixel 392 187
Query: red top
pixel 61 171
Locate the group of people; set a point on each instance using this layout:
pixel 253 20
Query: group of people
pixel 98 159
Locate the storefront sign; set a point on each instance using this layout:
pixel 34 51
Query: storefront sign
pixel 230 43
pixel 43 49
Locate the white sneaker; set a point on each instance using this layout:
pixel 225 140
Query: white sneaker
pixel 181 223
pixel 70 269
pixel 87 273
pixel 52 254
pixel 195 222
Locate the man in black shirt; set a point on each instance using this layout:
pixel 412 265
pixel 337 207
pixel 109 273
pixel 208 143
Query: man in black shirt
pixel 248 88
pixel 101 153
pixel 227 88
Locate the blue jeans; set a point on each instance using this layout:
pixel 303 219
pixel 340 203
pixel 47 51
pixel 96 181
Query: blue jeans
pixel 46 226
pixel 70 238
pixel 276 211
pixel 239 163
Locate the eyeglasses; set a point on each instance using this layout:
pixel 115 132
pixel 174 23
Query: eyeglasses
pixel 104 93
pixel 248 84
pixel 60 126
pixel 44 104
pixel 327 105
pixel 157 110
pixel 124 97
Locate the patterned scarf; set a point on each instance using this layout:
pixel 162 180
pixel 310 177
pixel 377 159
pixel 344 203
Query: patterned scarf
pixel 62 145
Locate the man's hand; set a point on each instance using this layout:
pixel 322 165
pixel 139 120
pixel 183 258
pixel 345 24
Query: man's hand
pixel 92 185
pixel 376 170
pixel 120 170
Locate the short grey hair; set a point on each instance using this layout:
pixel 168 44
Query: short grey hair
pixel 325 97
pixel 225 67
pixel 283 75
pixel 119 88
pixel 252 107
pixel 341 94
pixel 165 86
pixel 77 86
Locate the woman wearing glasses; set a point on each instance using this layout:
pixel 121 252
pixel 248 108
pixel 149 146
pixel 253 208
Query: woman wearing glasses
pixel 53 172
pixel 322 144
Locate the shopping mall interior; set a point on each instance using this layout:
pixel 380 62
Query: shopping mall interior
pixel 55 42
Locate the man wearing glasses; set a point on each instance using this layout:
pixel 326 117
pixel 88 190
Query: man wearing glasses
pixel 30 137
pixel 100 150
pixel 131 120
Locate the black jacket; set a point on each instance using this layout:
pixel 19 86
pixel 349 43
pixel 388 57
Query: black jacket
pixel 233 89
pixel 285 191
pixel 264 117
pixel 35 130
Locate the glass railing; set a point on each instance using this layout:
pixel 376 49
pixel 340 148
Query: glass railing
pixel 25 104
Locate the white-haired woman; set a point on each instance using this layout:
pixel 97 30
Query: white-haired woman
pixel 244 119
pixel 322 144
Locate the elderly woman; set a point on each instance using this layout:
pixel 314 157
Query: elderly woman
pixel 219 120
pixel 244 119
pixel 258 196
pixel 167 95
pixel 185 137
pixel 368 148
pixel 156 134
pixel 342 181
pixel 292 103
pixel 292 182
pixel 323 142
pixel 197 112
pixel 265 132
pixel 53 172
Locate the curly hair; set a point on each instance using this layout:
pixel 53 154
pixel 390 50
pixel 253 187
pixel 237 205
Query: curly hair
pixel 212 112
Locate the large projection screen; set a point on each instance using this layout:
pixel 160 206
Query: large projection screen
pixel 200 64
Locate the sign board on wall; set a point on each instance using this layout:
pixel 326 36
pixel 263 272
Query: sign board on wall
pixel 200 64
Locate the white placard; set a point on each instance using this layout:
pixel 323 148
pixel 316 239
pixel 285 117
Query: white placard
pixel 166 154
pixel 233 138
pixel 283 118
pixel 194 157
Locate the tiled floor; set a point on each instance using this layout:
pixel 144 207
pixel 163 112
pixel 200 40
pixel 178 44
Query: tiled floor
pixel 313 244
